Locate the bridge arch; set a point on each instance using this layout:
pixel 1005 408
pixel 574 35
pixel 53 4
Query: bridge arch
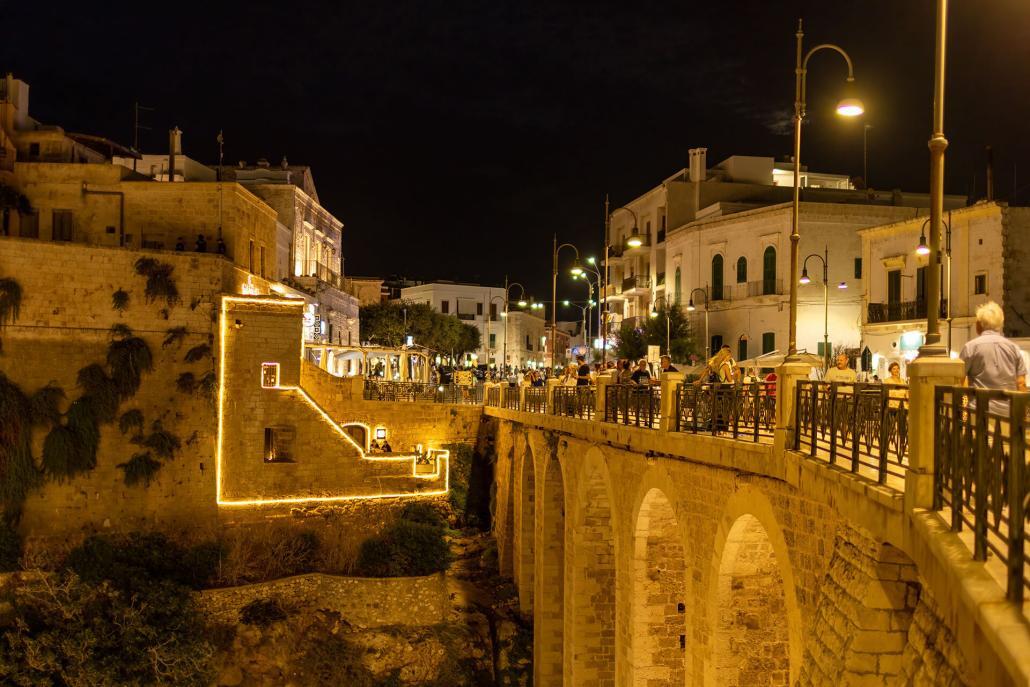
pixel 525 527
pixel 659 599
pixel 549 593
pixel 593 557
pixel 754 622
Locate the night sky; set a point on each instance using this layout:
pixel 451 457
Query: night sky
pixel 453 138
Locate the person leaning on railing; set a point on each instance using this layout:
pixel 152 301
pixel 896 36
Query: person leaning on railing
pixel 992 361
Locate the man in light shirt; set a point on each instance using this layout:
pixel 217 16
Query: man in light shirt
pixel 992 361
pixel 842 372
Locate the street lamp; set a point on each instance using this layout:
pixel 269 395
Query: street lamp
pixel 849 107
pixel 668 321
pixel 588 269
pixel 691 308
pixel 923 249
pixel 824 258
pixel 554 287
pixel 585 276
pixel 938 144
pixel 504 314
pixel 583 311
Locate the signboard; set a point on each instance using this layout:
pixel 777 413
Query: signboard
pixel 654 354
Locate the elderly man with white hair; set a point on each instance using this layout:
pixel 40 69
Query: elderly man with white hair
pixel 992 361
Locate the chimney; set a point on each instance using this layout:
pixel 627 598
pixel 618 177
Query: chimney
pixel 698 164
pixel 263 163
pixel 284 164
pixel 990 174
pixel 174 148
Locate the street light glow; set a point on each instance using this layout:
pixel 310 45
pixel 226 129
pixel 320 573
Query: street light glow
pixel 591 260
pixel 522 303
pixel 690 305
pixel 843 285
pixel 565 302
pixel 635 241
pixel 850 107
pixel 804 277
pixel 922 248
pixel 576 269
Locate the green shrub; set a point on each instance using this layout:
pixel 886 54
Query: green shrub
pixel 423 512
pixel 200 563
pixel 120 300
pixel 197 353
pixel 128 359
pixel 68 632
pixel 10 548
pixel 131 420
pixel 404 549
pixel 262 612
pixel 130 560
pixel 45 404
pixel 140 468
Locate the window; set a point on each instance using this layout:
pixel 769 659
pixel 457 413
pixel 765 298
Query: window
pixel 768 342
pixel 445 307
pixel 717 278
pixel 821 348
pixel 741 270
pixel 62 229
pixel 493 340
pixel 250 256
pixel 858 268
pixel 894 286
pixel 678 297
pixel 529 344
pixel 262 263
pixel 980 284
pixel 769 271
pixel 33 151
pixel 741 349
pixel 29 226
pixel 279 444
pixel 716 344
pixel 360 435
pixel 493 311
pixel 269 375
pixel 479 309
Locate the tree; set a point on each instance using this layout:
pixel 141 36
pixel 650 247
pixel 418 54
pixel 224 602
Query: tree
pixel 387 324
pixel 633 338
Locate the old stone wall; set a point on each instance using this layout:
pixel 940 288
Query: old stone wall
pixel 64 324
pixel 1015 258
pixel 363 601
pixel 931 656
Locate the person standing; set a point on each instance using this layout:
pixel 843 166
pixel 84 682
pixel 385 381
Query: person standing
pixel 583 373
pixel 842 372
pixel 667 366
pixel 641 375
pixel 992 361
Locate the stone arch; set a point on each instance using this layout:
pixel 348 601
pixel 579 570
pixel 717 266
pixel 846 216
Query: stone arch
pixel 525 563
pixel 658 654
pixel 754 623
pixel 549 595
pixel 592 608
pixel 506 545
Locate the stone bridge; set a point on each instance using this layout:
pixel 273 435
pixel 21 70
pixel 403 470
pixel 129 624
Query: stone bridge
pixel 650 557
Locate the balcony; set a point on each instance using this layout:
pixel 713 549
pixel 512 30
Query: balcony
pixel 659 279
pixel 762 287
pixel 660 237
pixel 902 311
pixel 310 268
pixel 636 285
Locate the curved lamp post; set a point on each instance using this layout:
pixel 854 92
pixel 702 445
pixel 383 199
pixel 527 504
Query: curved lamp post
pixel 507 299
pixel 576 270
pixel 849 107
pixel 603 289
pixel 824 259
pixel 691 308
pixel 924 249
pixel 668 321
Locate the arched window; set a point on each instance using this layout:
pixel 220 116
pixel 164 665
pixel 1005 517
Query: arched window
pixel 678 288
pixel 717 278
pixel 769 271
pixel 741 270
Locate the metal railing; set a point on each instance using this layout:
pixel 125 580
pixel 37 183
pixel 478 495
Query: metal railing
pixel 636 282
pixel 633 404
pixel 510 397
pixel 861 423
pixel 311 268
pixel 534 399
pixel 742 411
pixel 417 391
pixel 493 396
pixel 980 443
pixel 574 401
pixel 901 311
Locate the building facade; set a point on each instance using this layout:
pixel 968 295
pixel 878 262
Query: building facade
pixel 987 261
pixel 474 304
pixel 527 338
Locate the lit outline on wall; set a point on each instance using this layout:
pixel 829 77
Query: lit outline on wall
pixel 442 456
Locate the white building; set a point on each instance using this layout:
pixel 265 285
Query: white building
pixel 724 232
pixel 527 340
pixel 474 304
pixel 988 261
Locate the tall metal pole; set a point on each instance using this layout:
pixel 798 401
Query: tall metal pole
pixel 826 309
pixel 938 144
pixel 603 295
pixel 504 365
pixel 865 154
pixel 554 296
pixel 795 236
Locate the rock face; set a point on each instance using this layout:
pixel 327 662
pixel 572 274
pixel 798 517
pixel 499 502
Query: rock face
pixel 483 640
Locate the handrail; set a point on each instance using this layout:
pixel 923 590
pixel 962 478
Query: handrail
pixel 574 401
pixel 418 391
pixel 633 404
pixel 980 444
pixel 744 411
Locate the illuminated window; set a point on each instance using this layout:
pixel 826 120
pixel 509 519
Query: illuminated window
pixel 980 284
pixel 269 375
pixel 380 433
pixel 279 444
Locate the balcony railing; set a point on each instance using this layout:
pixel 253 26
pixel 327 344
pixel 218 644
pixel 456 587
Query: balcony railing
pixel 659 279
pixel 901 311
pixel 744 411
pixel 861 425
pixel 534 399
pixel 416 391
pixel 635 282
pixel 633 404
pixel 574 401
pixel 980 440
pixel 310 268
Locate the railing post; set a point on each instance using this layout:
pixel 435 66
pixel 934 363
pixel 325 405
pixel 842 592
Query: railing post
pixel 925 373
pixel 787 377
pixel 601 396
pixel 670 384
pixel 1017 493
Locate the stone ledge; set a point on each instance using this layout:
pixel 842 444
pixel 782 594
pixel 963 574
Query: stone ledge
pixel 362 601
pixel 992 634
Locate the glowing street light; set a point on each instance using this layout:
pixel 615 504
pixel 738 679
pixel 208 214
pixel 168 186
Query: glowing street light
pixel 850 107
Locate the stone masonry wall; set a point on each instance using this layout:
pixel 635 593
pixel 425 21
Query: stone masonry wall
pixel 64 324
pixel 932 657
pixel 363 601
pixel 1015 257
